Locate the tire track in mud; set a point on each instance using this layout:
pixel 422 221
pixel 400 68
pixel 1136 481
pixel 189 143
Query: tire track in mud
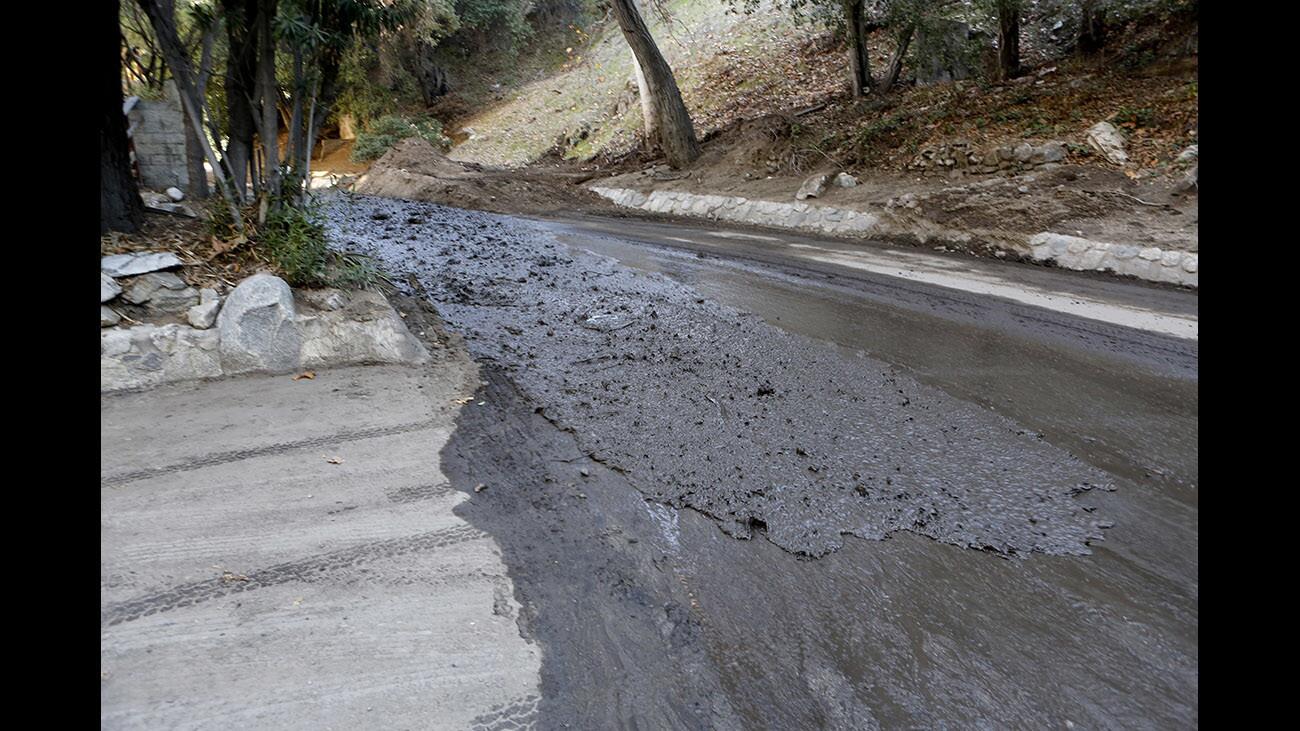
pixel 704 407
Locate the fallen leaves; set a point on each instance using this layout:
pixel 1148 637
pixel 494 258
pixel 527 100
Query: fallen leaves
pixel 305 375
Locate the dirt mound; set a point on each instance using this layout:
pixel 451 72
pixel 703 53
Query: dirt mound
pixel 416 170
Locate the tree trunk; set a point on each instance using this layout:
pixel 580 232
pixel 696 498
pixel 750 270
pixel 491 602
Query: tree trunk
pixel 297 135
pixel 1092 28
pixel 676 133
pixel 198 175
pixel 270 130
pixel 860 81
pixel 1008 39
pixel 241 69
pixel 896 61
pixel 120 207
pixel 649 115
pixel 198 187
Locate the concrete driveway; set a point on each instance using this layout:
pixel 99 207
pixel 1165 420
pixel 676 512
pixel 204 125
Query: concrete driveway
pixel 284 554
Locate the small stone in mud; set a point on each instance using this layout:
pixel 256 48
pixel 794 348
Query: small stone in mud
pixel 584 472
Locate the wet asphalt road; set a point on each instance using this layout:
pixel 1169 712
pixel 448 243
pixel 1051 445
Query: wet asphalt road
pixel 649 616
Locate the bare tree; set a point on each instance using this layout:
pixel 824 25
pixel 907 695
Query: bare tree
pixel 676 132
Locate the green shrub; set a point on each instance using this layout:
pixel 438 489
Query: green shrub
pixel 294 239
pixel 381 134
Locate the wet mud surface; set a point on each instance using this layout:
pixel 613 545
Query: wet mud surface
pixel 649 616
pixel 699 405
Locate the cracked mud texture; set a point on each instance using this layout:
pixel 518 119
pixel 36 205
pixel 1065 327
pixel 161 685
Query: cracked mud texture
pixel 706 407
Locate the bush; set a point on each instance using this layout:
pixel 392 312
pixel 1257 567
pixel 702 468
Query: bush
pixel 381 134
pixel 294 240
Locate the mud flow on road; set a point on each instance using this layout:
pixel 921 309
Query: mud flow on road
pixel 629 417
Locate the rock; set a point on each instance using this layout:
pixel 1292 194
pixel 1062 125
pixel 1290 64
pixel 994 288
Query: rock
pixel 204 314
pixel 1024 152
pixel 1053 151
pixel 174 302
pixel 366 330
pixel 844 180
pixel 813 187
pixel 175 194
pixel 948 44
pixel 257 327
pixel 323 299
pixel 1107 140
pixel 108 288
pixel 1023 189
pixel 143 288
pixel 162 291
pixel 161 202
pixel 126 265
pixel 107 317
pixel 1189 183
pixel 1190 154
pixel 147 355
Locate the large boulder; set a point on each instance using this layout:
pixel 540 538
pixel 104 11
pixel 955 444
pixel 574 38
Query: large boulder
pixel 126 265
pixel 1106 139
pixel 353 328
pixel 257 327
pixel 946 50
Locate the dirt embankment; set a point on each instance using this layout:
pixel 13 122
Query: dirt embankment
pixel 416 170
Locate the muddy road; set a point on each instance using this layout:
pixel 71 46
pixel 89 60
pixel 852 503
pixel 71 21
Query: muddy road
pixel 739 490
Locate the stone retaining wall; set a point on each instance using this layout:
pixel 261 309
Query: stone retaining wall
pixel 1068 252
pixel 158 135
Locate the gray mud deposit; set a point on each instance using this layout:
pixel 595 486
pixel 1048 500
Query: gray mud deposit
pixel 703 406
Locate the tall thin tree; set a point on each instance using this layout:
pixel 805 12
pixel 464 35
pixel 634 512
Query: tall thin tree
pixel 1008 39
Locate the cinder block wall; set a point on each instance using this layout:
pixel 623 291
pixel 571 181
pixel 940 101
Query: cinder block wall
pixel 159 138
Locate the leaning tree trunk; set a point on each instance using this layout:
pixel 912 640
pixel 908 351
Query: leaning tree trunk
pixel 120 207
pixel 649 115
pixel 860 81
pixel 896 61
pixel 676 133
pixel 1008 39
